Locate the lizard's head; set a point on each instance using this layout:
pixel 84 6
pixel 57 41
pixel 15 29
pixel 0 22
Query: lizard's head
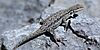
pixel 76 8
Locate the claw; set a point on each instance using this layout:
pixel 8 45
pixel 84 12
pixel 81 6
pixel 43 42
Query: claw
pixel 61 41
pixel 54 40
pixel 47 45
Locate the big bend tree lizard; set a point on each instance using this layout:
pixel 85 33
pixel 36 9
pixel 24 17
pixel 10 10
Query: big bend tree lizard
pixel 51 23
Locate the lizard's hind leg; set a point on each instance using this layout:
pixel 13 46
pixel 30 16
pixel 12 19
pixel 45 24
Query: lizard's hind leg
pixel 64 24
pixel 52 37
pixel 67 21
pixel 61 41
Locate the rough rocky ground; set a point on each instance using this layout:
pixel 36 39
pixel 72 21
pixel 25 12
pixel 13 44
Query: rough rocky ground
pixel 15 15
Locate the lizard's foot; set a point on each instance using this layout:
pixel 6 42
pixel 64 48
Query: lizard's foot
pixel 61 41
pixel 47 45
pixel 54 40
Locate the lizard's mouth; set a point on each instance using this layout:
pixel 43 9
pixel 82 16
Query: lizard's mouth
pixel 75 11
pixel 78 10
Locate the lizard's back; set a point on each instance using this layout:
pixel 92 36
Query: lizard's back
pixel 54 20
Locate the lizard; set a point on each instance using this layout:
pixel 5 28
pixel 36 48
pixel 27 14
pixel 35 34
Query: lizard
pixel 51 23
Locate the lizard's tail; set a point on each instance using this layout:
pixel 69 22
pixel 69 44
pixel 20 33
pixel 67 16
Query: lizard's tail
pixel 28 38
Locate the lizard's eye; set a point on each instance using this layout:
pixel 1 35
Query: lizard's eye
pixel 71 12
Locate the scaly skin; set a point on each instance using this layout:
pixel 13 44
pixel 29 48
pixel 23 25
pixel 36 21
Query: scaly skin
pixel 52 22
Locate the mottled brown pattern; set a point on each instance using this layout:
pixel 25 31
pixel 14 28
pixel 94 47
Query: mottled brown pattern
pixel 52 22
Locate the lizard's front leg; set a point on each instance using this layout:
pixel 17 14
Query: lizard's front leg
pixel 77 32
pixel 65 21
pixel 65 24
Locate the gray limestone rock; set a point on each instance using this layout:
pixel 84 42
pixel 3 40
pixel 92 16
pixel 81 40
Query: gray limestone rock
pixel 14 25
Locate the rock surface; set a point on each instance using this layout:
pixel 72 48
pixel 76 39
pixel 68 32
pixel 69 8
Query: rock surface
pixel 16 13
